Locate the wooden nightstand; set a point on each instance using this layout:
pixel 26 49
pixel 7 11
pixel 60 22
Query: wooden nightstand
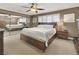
pixel 62 34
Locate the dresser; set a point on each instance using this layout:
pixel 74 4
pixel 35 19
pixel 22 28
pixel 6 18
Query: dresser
pixel 76 42
pixel 1 41
pixel 62 34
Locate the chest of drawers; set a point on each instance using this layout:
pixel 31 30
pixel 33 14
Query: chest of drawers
pixel 1 43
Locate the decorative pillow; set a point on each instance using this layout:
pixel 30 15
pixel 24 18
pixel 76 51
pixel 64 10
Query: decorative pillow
pixel 45 26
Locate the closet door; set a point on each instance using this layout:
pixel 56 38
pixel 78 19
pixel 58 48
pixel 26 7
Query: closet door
pixel 34 21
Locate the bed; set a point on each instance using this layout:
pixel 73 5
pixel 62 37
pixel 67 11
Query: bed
pixel 14 26
pixel 40 36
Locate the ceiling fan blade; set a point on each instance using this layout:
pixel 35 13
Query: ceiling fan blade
pixel 27 10
pixel 24 7
pixel 32 3
pixel 40 9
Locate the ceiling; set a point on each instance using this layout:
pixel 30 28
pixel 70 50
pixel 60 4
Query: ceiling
pixel 16 7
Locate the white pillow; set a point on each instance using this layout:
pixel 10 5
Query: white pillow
pixel 45 26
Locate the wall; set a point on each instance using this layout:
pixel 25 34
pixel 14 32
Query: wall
pixel 7 20
pixel 78 24
pixel 71 27
pixel 2 24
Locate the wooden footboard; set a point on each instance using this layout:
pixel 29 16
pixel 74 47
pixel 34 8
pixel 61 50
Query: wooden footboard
pixel 36 43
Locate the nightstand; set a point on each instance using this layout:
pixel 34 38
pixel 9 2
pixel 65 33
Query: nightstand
pixel 62 34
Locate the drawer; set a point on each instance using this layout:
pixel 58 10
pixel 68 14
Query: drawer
pixel 61 32
pixel 1 47
pixel 62 36
pixel 1 43
pixel 65 34
pixel 1 53
pixel 1 38
pixel 1 34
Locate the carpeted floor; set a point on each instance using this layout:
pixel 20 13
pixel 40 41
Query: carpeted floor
pixel 14 46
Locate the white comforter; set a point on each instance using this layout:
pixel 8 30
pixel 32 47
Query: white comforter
pixel 14 26
pixel 39 33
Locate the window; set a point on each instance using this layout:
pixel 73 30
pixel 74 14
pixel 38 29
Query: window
pixel 22 19
pixel 69 18
pixel 56 17
pixel 40 19
pixel 49 18
pixel 44 19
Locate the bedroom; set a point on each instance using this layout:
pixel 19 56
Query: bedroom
pixel 28 32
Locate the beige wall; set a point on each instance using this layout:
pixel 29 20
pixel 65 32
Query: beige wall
pixel 7 20
pixel 7 12
pixel 71 27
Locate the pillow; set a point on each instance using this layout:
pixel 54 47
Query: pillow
pixel 45 26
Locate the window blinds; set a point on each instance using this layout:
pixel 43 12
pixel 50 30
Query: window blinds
pixel 49 18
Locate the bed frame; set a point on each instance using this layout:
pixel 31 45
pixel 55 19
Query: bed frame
pixel 37 43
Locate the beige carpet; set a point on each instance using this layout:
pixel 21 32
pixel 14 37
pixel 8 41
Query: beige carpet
pixel 14 46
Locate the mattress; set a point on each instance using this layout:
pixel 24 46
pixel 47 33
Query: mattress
pixel 39 33
pixel 14 26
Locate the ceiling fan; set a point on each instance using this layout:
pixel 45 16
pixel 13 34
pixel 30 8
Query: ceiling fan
pixel 33 7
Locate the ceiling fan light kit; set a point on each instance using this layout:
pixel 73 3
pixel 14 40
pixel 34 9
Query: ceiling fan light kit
pixel 33 7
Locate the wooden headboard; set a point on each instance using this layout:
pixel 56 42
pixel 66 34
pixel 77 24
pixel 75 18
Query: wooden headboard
pixel 45 23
